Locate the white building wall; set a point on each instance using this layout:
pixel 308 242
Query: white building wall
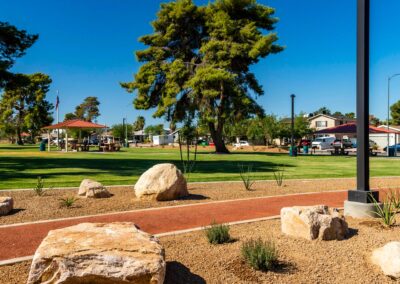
pixel 381 139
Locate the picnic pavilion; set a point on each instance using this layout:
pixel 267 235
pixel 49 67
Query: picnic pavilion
pixel 72 124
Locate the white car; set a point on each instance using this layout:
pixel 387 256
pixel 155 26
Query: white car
pixel 241 143
pixel 323 143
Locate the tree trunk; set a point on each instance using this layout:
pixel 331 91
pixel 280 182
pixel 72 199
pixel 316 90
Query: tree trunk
pixel 218 140
pixel 19 137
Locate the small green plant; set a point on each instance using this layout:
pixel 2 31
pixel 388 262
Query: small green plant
pixel 394 196
pixel 67 202
pixel 39 188
pixel 279 175
pixel 246 174
pixel 386 211
pixel 218 233
pixel 259 254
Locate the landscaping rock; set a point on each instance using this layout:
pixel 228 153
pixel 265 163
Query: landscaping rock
pixel 98 253
pixel 6 205
pixel 313 222
pixel 161 182
pixel 388 259
pixel 92 189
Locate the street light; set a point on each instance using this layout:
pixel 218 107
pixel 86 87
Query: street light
pixel 388 111
pixel 293 149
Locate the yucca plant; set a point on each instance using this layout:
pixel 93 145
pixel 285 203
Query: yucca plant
pixel 259 254
pixel 394 196
pixel 385 211
pixel 39 188
pixel 218 233
pixel 246 174
pixel 279 176
pixel 67 202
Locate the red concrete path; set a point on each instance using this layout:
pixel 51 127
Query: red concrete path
pixel 22 240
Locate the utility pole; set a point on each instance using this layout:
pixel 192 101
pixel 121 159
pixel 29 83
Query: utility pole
pixel 293 150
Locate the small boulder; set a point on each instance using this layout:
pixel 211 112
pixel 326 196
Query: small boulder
pixel 6 205
pixel 388 259
pixel 92 189
pixel 313 222
pixel 98 253
pixel 161 182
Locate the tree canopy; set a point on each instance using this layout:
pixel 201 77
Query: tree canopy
pixel 23 105
pixel 198 60
pixel 13 43
pixel 88 110
pixel 395 112
pixel 139 123
pixel 118 130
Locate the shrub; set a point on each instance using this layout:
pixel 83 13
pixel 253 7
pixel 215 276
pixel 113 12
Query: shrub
pixel 279 176
pixel 218 233
pixel 67 201
pixel 394 197
pixel 39 188
pixel 385 211
pixel 259 254
pixel 247 176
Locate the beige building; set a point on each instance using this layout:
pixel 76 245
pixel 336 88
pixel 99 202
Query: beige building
pixel 323 121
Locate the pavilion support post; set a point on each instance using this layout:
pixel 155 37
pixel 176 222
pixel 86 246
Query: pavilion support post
pixel 360 202
pixel 48 140
pixel 66 140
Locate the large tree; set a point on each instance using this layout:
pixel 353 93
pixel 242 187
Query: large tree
pixel 13 43
pixel 198 59
pixel 23 105
pixel 139 123
pixel 395 112
pixel 88 110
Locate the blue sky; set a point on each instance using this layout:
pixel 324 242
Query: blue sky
pixel 87 47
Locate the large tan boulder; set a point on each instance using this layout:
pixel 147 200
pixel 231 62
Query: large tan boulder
pixel 98 253
pixel 313 222
pixel 92 189
pixel 161 182
pixel 388 259
pixel 6 205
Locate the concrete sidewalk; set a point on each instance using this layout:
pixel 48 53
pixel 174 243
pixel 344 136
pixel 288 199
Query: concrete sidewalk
pixel 22 240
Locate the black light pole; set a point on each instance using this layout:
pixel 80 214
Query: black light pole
pixel 292 146
pixel 363 192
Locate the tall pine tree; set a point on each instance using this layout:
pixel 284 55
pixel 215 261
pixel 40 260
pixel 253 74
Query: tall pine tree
pixel 198 59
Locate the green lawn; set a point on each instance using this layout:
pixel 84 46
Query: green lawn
pixel 21 165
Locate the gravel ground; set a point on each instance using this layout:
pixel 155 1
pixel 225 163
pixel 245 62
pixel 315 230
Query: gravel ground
pixel 190 259
pixel 29 207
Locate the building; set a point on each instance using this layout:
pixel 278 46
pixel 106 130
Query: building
pixel 324 121
pixel 382 139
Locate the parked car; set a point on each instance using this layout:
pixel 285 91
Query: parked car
pixel 397 147
pixel 342 143
pixel 323 143
pixel 241 143
pixel 372 144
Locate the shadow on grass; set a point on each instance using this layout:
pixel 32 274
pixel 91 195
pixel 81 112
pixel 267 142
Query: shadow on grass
pixel 47 167
pixel 177 273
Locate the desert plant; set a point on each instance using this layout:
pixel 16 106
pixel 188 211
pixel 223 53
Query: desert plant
pixel 279 174
pixel 218 233
pixel 67 201
pixel 39 188
pixel 385 211
pixel 259 254
pixel 394 196
pixel 246 174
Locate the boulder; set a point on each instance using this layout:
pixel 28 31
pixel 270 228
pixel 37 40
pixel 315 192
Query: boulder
pixel 98 253
pixel 388 259
pixel 161 182
pixel 92 189
pixel 313 222
pixel 6 205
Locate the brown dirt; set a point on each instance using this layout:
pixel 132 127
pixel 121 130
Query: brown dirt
pixel 29 207
pixel 190 259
